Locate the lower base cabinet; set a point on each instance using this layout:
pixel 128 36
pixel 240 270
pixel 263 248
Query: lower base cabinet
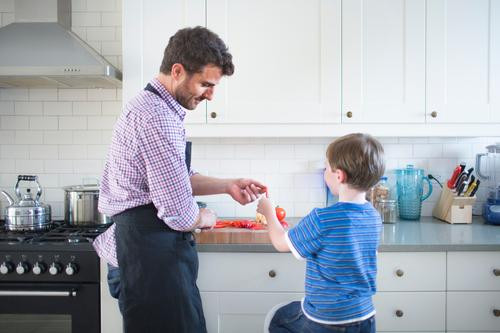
pixel 240 312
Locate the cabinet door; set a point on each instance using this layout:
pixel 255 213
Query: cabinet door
pixel 473 311
pixel 383 61
pixel 463 61
pixel 147 27
pixel 241 312
pixel 287 61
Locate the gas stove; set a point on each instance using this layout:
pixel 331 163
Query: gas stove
pixel 49 275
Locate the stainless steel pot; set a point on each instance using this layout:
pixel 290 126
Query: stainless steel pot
pixel 80 205
pixel 27 213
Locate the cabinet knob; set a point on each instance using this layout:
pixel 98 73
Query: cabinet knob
pixel 272 273
pixel 400 272
pixel 496 272
pixel 349 114
pixel 434 114
pixel 399 313
pixel 496 312
pixel 213 115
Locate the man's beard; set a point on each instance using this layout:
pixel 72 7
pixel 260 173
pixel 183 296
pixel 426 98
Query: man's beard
pixel 183 97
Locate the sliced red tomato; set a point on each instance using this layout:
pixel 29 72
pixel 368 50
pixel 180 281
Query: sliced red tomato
pixel 284 224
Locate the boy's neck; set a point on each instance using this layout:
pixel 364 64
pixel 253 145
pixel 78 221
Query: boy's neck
pixel 348 194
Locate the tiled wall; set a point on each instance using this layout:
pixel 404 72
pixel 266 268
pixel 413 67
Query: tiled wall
pixel 62 136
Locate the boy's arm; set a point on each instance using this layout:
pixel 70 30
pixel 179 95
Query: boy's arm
pixel 277 234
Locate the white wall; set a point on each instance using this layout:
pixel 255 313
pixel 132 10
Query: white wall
pixel 62 136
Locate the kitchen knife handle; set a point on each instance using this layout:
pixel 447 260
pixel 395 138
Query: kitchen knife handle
pixel 454 176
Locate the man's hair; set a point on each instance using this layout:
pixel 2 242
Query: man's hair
pixel 195 48
pixel 360 156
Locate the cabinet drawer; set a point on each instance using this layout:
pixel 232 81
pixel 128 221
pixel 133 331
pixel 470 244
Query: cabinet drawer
pixel 250 272
pixel 411 271
pixel 418 311
pixel 474 271
pixel 473 311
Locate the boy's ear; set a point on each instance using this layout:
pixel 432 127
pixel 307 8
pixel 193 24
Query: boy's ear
pixel 341 176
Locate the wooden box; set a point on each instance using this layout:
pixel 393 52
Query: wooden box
pixel 452 208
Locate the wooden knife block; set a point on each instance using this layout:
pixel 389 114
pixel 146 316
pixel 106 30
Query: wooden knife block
pixel 452 208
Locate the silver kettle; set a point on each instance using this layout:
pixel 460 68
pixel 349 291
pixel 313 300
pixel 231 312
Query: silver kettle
pixel 27 213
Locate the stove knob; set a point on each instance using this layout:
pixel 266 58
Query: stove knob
pixel 6 267
pixel 55 268
pixel 22 268
pixel 39 268
pixel 71 269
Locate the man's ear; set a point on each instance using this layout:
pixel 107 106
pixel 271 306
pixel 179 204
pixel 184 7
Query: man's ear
pixel 177 72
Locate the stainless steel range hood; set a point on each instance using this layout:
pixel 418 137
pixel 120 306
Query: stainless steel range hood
pixel 35 53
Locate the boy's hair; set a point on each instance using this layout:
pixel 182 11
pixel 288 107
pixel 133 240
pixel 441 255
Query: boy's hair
pixel 360 156
pixel 195 48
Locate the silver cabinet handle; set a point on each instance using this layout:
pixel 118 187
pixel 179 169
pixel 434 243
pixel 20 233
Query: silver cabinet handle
pixel 399 313
pixel 496 272
pixel 71 293
pixel 272 273
pixel 400 272
pixel 496 312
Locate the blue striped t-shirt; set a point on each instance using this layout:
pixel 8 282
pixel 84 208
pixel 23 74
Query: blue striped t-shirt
pixel 340 244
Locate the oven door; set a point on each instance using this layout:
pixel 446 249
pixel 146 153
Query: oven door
pixel 49 308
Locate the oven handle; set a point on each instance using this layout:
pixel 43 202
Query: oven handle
pixel 69 293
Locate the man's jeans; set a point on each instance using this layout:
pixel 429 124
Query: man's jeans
pixel 290 318
pixel 114 283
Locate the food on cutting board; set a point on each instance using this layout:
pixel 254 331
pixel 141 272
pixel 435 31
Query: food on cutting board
pixel 259 218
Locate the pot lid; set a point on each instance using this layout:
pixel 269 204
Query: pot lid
pixel 82 188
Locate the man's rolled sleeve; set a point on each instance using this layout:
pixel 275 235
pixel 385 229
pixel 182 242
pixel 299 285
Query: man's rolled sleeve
pixel 167 176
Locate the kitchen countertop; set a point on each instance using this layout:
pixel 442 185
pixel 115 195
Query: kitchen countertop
pixel 428 234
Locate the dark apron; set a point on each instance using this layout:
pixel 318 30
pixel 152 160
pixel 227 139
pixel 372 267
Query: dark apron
pixel 158 271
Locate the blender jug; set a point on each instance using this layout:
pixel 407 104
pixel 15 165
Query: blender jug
pixel 410 186
pixel 488 170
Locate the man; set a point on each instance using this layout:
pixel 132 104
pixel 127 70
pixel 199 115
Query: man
pixel 148 191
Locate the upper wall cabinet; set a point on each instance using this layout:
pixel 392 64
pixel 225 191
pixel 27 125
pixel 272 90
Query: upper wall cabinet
pixel 287 61
pixel 147 27
pixel 463 61
pixel 383 61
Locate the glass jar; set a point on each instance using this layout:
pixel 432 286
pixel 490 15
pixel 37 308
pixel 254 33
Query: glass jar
pixel 388 210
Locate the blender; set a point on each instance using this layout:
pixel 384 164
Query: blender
pixel 488 170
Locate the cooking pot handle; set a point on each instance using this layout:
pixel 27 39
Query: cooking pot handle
pixel 27 178
pixel 429 189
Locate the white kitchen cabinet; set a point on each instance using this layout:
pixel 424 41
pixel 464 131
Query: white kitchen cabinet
pixel 238 289
pixel 473 297
pixel 463 61
pixel 410 311
pixel 383 61
pixel 287 61
pixel 147 27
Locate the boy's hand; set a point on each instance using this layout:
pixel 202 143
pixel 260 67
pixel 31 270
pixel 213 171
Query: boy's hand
pixel 266 208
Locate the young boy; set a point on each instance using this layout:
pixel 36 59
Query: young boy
pixel 339 243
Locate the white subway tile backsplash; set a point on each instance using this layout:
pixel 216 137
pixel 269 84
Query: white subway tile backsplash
pixel 310 151
pixel 111 19
pixel 86 108
pixel 111 108
pixel 73 152
pixel 308 181
pixel 6 108
pixel 6 5
pixel 17 152
pixel 43 123
pixel 78 5
pixel 43 94
pixel 7 18
pixel 293 166
pixel 427 150
pixel 398 150
pixel 457 150
pixel 97 152
pixel 42 152
pixel 264 166
pixel 58 166
pixel 57 108
pixel 87 137
pixel 7 137
pixel 29 137
pixel 101 123
pixel 29 167
pixel 249 151
pixel 73 123
pixel 14 94
pixel 86 19
pixel 102 6
pixel 7 166
pixel 87 166
pixel 101 34
pixel 102 94
pixel 235 167
pixel 14 122
pixel 279 152
pixel 58 137
pixel 72 94
pixel 28 108
pixel 113 48
pixel 220 151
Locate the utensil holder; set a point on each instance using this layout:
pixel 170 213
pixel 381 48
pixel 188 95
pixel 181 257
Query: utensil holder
pixel 452 208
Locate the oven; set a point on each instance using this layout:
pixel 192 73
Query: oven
pixel 49 283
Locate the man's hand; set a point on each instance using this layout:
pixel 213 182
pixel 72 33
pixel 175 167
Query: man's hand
pixel 245 190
